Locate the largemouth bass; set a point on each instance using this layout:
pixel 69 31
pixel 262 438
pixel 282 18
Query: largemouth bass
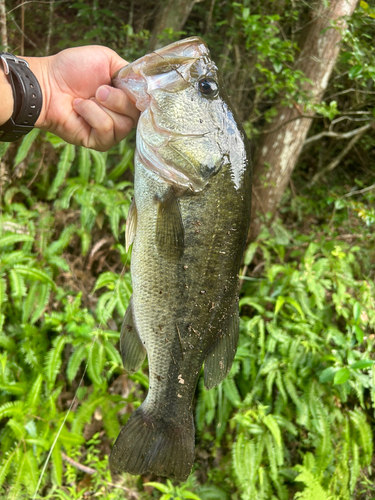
pixel 188 224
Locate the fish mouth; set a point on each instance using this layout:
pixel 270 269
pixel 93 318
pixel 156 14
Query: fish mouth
pixel 165 58
pixel 167 68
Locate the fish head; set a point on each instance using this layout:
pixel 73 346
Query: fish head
pixel 186 132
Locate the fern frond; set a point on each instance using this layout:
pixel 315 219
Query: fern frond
pixel 85 412
pixel 313 490
pixel 11 239
pixel 34 274
pixel 31 477
pixel 112 353
pixel 75 361
pixel 17 284
pixel 33 398
pixel 63 167
pixel 274 428
pixel 11 409
pixel 95 363
pixel 43 299
pixel 99 164
pixel 53 361
pixel 3 291
pixel 57 464
pixel 122 165
pixel 17 428
pixel 231 392
pixel 5 466
pixel 25 146
pixel 84 163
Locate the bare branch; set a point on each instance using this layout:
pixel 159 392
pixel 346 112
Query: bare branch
pixel 333 164
pixel 337 135
pixel 360 191
pixel 22 33
pixel 83 468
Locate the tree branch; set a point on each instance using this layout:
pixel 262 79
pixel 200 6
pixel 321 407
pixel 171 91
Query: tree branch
pixel 337 135
pixel 333 164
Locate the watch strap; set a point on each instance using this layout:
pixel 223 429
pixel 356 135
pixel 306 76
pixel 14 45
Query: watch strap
pixel 27 95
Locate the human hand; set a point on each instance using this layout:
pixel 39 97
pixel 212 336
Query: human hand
pixel 79 105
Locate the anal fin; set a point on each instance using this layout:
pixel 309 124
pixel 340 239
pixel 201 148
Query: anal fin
pixel 169 227
pixel 132 350
pixel 219 360
pixel 131 225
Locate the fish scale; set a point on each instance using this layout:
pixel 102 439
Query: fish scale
pixel 188 238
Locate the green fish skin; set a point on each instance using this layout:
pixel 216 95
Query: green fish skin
pixel 188 224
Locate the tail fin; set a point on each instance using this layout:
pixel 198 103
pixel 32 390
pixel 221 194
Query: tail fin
pixel 150 444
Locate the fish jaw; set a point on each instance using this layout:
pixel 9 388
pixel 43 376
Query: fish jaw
pixel 160 69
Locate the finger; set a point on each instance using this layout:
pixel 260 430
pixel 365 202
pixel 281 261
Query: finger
pixel 117 101
pixel 107 128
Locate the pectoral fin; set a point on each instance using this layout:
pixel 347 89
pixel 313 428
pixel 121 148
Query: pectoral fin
pixel 132 350
pixel 169 227
pixel 131 224
pixel 219 360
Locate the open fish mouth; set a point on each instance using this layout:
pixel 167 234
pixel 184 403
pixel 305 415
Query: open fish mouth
pixel 168 68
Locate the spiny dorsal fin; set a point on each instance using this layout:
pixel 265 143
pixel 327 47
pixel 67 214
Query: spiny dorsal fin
pixel 132 350
pixel 219 360
pixel 169 227
pixel 131 224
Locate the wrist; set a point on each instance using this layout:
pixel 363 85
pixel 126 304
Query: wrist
pixel 6 109
pixel 39 66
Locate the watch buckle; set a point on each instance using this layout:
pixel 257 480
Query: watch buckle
pixel 5 56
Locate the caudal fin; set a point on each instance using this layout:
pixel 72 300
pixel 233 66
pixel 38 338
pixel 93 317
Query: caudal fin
pixel 150 444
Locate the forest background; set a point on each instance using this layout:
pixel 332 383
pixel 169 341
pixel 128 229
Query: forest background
pixel 295 417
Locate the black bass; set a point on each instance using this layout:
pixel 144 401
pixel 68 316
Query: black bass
pixel 188 224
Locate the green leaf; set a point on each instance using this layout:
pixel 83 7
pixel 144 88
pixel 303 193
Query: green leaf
pixel 57 468
pixel 361 364
pixel 25 145
pixel 53 361
pixel 341 376
pixel 159 486
pixel 84 163
pixel 327 375
pixel 100 165
pixel 75 361
pixel 17 284
pixel 355 71
pixel 95 363
pixel 122 166
pixel 5 466
pixel 63 168
pixel 34 274
pixel 11 239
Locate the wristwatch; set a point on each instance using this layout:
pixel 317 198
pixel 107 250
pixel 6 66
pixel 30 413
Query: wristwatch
pixel 27 95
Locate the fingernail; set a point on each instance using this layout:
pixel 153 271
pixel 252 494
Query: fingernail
pixel 102 94
pixel 76 101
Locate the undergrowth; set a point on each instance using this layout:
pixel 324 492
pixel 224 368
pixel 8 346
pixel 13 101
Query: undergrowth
pixel 294 417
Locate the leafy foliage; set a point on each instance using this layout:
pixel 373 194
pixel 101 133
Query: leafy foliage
pixel 294 417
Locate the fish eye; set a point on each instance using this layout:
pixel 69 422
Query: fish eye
pixel 208 87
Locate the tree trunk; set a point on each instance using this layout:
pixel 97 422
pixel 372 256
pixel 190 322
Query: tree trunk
pixel 171 14
pixel 3 26
pixel 279 150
